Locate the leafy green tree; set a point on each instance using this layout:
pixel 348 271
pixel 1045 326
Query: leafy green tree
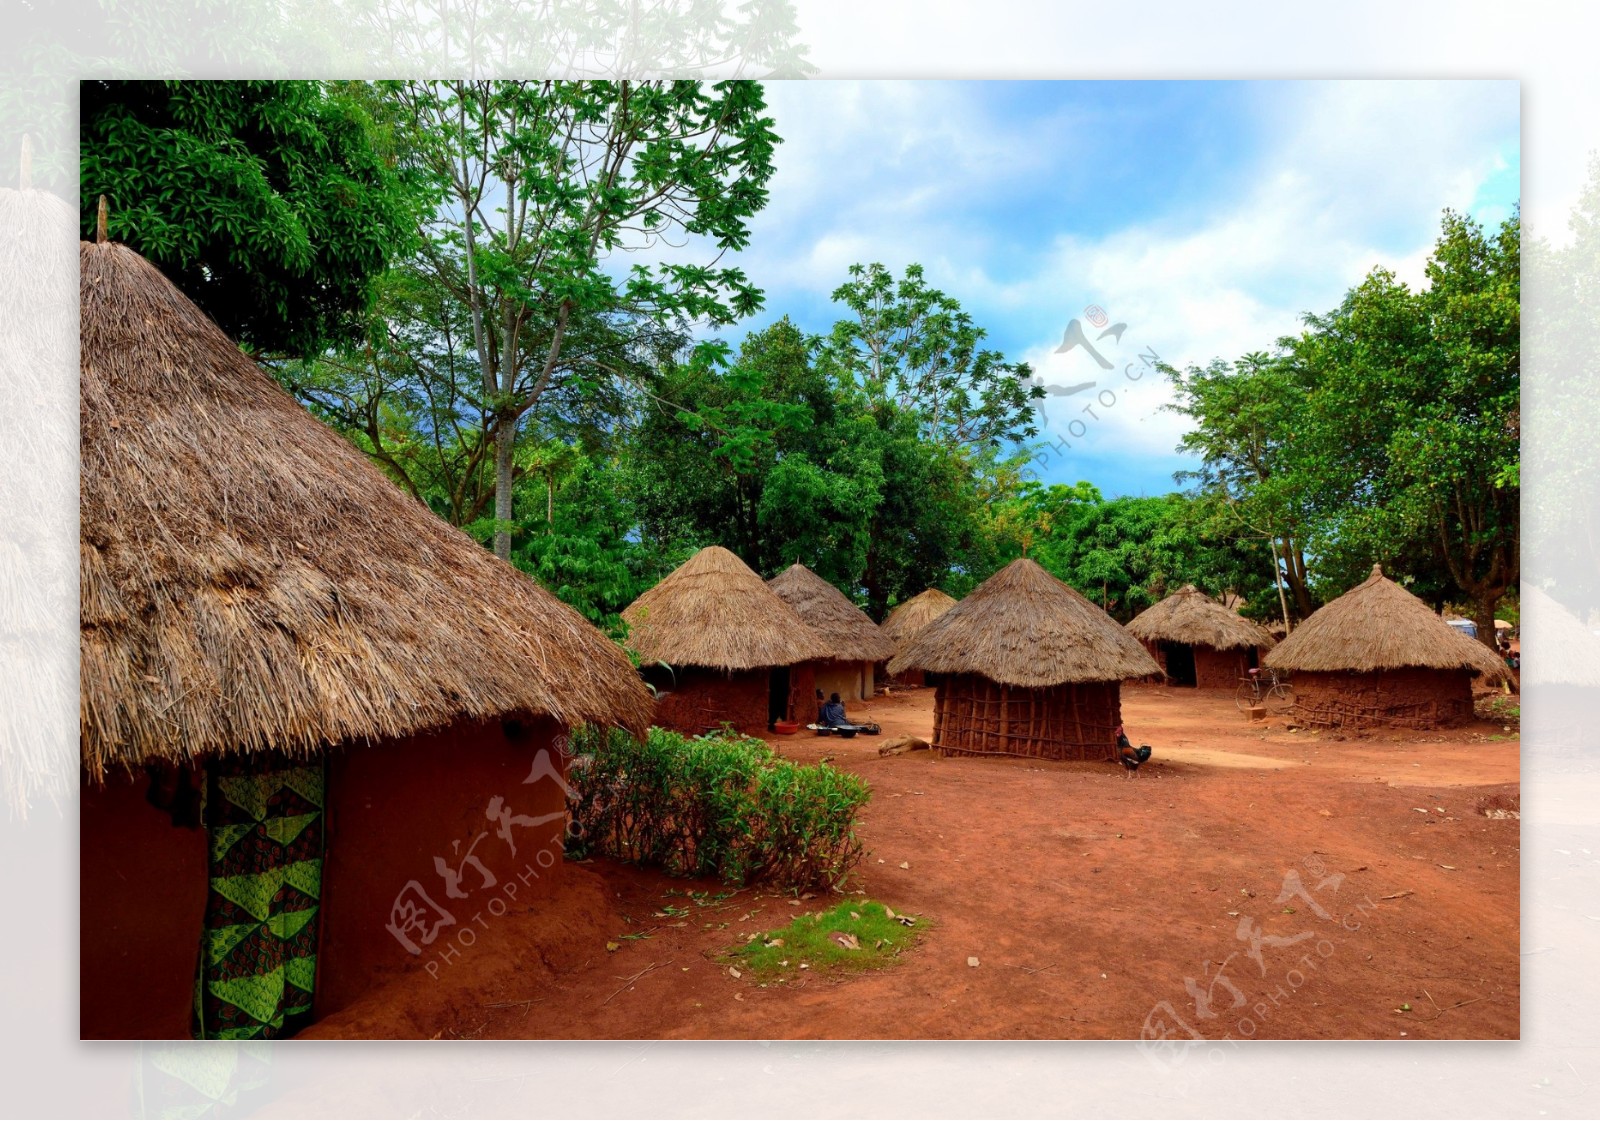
pixel 274 205
pixel 1246 418
pixel 1412 424
pixel 578 538
pixel 542 185
pixel 914 346
pixel 1130 552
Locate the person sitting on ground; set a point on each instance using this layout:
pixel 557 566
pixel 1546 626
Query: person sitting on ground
pixel 832 715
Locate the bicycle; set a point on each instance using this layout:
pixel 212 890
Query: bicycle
pixel 1263 689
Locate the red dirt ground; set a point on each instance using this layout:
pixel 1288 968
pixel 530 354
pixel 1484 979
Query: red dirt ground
pixel 1088 899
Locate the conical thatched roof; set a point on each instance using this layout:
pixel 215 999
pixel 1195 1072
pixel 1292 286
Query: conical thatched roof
pixel 851 636
pixel 714 611
pixel 1191 616
pixel 1022 626
pixel 915 613
pixel 249 581
pixel 1379 625
pixel 1563 651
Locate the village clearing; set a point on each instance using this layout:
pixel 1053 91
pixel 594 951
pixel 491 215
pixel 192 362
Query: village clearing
pixel 1061 900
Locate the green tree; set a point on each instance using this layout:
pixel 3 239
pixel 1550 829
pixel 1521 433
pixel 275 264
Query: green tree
pixel 1413 421
pixel 274 205
pixel 1247 417
pixel 914 346
pixel 1130 552
pixel 541 185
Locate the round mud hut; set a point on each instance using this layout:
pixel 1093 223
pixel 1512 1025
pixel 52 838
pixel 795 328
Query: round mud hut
pixel 301 693
pixel 1027 667
pixel 1198 642
pixel 855 643
pixel 1378 655
pixel 720 647
pixel 907 620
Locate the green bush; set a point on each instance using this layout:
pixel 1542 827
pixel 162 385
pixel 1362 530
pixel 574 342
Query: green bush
pixel 721 805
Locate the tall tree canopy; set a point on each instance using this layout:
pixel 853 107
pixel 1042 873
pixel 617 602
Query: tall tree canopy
pixel 541 186
pixel 1388 430
pixel 274 205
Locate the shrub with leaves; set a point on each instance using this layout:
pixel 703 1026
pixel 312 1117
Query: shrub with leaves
pixel 722 805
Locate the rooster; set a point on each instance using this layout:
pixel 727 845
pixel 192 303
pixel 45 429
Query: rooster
pixel 1129 756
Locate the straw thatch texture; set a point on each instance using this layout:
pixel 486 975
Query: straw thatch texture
pixel 1022 626
pixel 1562 651
pixel 851 636
pixel 714 611
pixel 1190 616
pixel 915 613
pixel 1378 625
pixel 249 582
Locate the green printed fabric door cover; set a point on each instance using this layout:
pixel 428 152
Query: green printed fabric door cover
pixel 258 953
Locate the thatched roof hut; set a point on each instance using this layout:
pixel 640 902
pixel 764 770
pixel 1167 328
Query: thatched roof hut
pixel 728 641
pixel 855 643
pixel 851 636
pixel 249 581
pixel 915 613
pixel 1027 667
pixel 714 611
pixel 1378 654
pixel 1378 625
pixel 267 617
pixel 1198 641
pixel 1192 617
pixel 1022 626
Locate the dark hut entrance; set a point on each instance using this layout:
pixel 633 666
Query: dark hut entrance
pixel 976 716
pixel 1179 660
pixel 778 695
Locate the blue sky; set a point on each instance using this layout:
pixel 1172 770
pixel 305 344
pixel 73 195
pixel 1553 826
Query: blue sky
pixel 1208 216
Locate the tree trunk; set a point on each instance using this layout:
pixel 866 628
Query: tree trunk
pixel 1484 606
pixel 504 445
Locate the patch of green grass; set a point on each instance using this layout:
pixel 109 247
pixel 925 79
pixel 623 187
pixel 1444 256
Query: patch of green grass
pixel 823 941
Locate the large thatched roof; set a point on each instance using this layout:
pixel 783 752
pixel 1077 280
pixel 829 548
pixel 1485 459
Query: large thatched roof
pixel 714 611
pixel 1191 616
pixel 915 613
pixel 1562 651
pixel 850 634
pixel 1022 626
pixel 1379 625
pixel 249 581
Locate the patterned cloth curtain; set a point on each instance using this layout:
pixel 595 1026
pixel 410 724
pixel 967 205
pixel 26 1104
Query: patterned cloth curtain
pixel 258 952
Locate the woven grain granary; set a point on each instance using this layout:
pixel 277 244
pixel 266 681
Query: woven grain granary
pixel 1028 667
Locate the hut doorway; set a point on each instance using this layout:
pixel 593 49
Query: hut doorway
pixel 778 695
pixel 1179 657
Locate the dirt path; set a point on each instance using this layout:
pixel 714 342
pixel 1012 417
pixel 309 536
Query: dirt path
pixel 1088 898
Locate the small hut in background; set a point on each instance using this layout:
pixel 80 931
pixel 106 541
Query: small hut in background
pixel 855 643
pixel 1199 642
pixel 907 620
pixel 1379 655
pixel 1028 667
pixel 300 691
pixel 719 646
